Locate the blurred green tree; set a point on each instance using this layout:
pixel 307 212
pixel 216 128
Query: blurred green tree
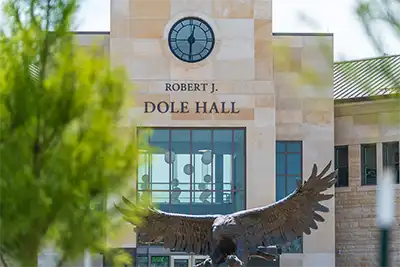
pixel 381 14
pixel 65 146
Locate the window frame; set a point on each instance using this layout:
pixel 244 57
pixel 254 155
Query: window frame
pixel 363 147
pixel 212 129
pixel 385 159
pixel 346 166
pixel 287 249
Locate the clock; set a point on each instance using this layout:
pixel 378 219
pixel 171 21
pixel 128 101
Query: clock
pixel 191 39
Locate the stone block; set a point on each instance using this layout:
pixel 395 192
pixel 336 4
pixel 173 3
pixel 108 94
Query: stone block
pixel 154 68
pixel 147 28
pixel 264 117
pixel 119 9
pixel 229 50
pixel 150 9
pixel 366 119
pixel 237 29
pixel 233 9
pixel 263 29
pixel 119 27
pixel 234 70
pixel 289 116
pixel 265 101
pixel 289 104
pixel 318 117
pixel 193 72
pixel 245 114
pixel 147 48
pixel 186 6
pixel 263 9
pixel 264 70
pixel 263 50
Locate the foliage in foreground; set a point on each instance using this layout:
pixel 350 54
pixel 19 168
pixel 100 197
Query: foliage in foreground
pixel 63 148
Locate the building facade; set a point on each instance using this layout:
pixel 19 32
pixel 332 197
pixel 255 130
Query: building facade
pixel 236 120
pixel 233 124
pixel 367 135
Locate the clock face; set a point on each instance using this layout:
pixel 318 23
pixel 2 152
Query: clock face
pixel 191 39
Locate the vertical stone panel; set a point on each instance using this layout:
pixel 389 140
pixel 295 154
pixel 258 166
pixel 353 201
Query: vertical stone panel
pixel 139 33
pixel 305 112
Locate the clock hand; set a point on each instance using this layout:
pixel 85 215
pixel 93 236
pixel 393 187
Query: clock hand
pixel 191 40
pixel 192 31
pixel 190 49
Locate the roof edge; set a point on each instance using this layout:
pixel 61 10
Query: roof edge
pixel 91 32
pixel 367 99
pixel 366 59
pixel 301 34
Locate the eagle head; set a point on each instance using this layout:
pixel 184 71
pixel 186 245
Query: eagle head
pixel 224 226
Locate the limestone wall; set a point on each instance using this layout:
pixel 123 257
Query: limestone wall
pixel 304 111
pixel 357 237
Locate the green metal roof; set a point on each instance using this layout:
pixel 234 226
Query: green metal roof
pixel 366 78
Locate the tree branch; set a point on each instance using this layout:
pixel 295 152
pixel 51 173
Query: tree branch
pixel 43 60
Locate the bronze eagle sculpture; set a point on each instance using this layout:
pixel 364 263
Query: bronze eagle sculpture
pixel 217 236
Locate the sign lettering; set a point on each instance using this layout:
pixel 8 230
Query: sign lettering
pixel 199 107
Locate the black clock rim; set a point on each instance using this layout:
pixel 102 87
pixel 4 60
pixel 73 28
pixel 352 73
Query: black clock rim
pixel 193 18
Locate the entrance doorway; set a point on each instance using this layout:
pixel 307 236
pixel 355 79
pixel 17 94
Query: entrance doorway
pixel 185 260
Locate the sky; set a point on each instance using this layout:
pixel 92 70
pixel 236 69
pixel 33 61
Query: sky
pixel 337 17
pixel 334 16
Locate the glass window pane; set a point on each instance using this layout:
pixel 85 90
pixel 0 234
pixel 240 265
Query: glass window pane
pixel 142 261
pixel 343 177
pixel 294 247
pixel 341 156
pixel 291 184
pixel 201 140
pixel 181 262
pixel 294 164
pixel 222 169
pixel 280 187
pixel 390 153
pixel 293 147
pixel 183 170
pixel 280 147
pixel 181 166
pixel 159 261
pixel 239 200
pixel 239 166
pixel 159 171
pixel 288 170
pixel 228 164
pixel 143 138
pixel 368 153
pixel 204 161
pixel 160 140
pixel 160 197
pixel 280 164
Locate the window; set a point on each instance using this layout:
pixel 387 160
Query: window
pixel 368 164
pixel 289 169
pixel 194 171
pixel 159 261
pixel 142 261
pixel 342 165
pixel 391 157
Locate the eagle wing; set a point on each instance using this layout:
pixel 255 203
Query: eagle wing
pixel 188 233
pixel 289 218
